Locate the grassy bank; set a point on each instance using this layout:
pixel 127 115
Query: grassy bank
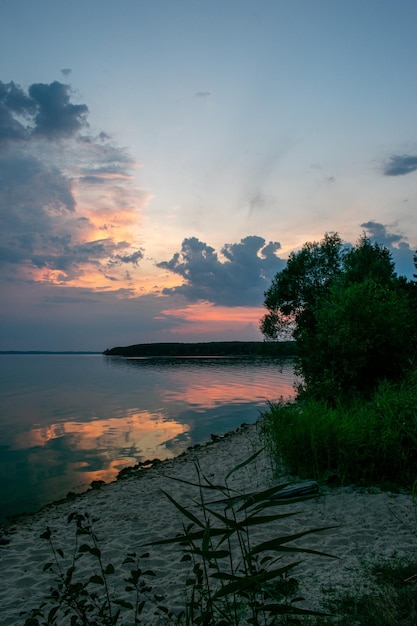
pixel 363 442
pixel 369 443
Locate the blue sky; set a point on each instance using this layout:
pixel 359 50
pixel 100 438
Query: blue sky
pixel 160 159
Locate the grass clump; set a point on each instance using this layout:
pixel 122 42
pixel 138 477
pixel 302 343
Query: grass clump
pixel 365 442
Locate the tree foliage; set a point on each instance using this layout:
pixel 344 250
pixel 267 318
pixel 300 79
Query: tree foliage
pixel 353 318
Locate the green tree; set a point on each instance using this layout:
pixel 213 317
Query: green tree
pixel 294 291
pixel 352 317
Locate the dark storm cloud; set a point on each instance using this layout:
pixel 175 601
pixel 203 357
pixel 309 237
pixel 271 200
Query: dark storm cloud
pixel 400 165
pixel 239 280
pixel 32 198
pixel 45 110
pixel 56 116
pixel 400 250
pixel 13 104
pixel 41 224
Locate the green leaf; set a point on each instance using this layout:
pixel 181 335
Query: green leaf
pixel 256 497
pixel 124 604
pixel 183 510
pixel 287 609
pixel 189 538
pixel 84 548
pixel 278 543
pixel 128 559
pixel 240 465
pixel 95 552
pixel 242 584
pixel 52 613
pixel 231 523
pixel 96 580
pixel 47 534
pixel 109 569
pixel 265 519
pixel 211 486
pixel 225 576
pixel 210 554
pixel 206 539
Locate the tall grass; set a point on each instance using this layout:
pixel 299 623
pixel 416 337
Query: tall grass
pixel 359 441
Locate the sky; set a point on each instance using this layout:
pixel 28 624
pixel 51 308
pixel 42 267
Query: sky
pixel 160 159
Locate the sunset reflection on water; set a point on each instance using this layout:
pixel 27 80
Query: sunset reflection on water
pixel 68 421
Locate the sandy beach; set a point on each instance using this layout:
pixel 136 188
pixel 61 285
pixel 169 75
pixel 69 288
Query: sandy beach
pixel 370 524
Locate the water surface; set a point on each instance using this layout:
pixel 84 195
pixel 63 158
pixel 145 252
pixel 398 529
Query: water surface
pixel 66 420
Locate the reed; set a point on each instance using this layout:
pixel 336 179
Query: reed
pixel 364 442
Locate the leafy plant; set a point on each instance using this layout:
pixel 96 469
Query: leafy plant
pixel 86 600
pixel 234 579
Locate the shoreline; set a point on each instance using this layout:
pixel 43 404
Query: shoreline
pixel 129 471
pixel 130 512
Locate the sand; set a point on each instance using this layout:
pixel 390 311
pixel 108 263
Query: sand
pixel 370 525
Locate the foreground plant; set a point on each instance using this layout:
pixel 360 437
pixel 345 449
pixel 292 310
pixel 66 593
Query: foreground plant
pixel 86 600
pixel 234 579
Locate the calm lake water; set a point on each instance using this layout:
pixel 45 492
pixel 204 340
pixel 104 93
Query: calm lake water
pixel 66 420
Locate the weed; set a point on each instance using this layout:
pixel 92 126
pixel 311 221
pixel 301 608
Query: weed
pixel 86 599
pixel 234 580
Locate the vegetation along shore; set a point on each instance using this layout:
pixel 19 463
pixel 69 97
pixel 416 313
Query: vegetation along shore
pixel 213 537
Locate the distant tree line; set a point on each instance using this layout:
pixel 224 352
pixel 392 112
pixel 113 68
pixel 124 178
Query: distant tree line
pixel 212 348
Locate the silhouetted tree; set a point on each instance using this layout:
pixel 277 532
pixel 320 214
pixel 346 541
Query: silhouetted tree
pixel 353 318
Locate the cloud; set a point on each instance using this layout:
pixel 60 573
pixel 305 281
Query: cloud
pixel 55 115
pixel 45 110
pixel 202 94
pixel 400 250
pixel 134 258
pixel 400 165
pixel 239 280
pixel 69 206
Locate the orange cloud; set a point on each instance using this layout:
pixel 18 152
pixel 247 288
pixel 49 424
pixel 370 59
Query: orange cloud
pixel 205 317
pixel 207 312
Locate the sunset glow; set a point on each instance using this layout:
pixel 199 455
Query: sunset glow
pixel 139 432
pixel 157 185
